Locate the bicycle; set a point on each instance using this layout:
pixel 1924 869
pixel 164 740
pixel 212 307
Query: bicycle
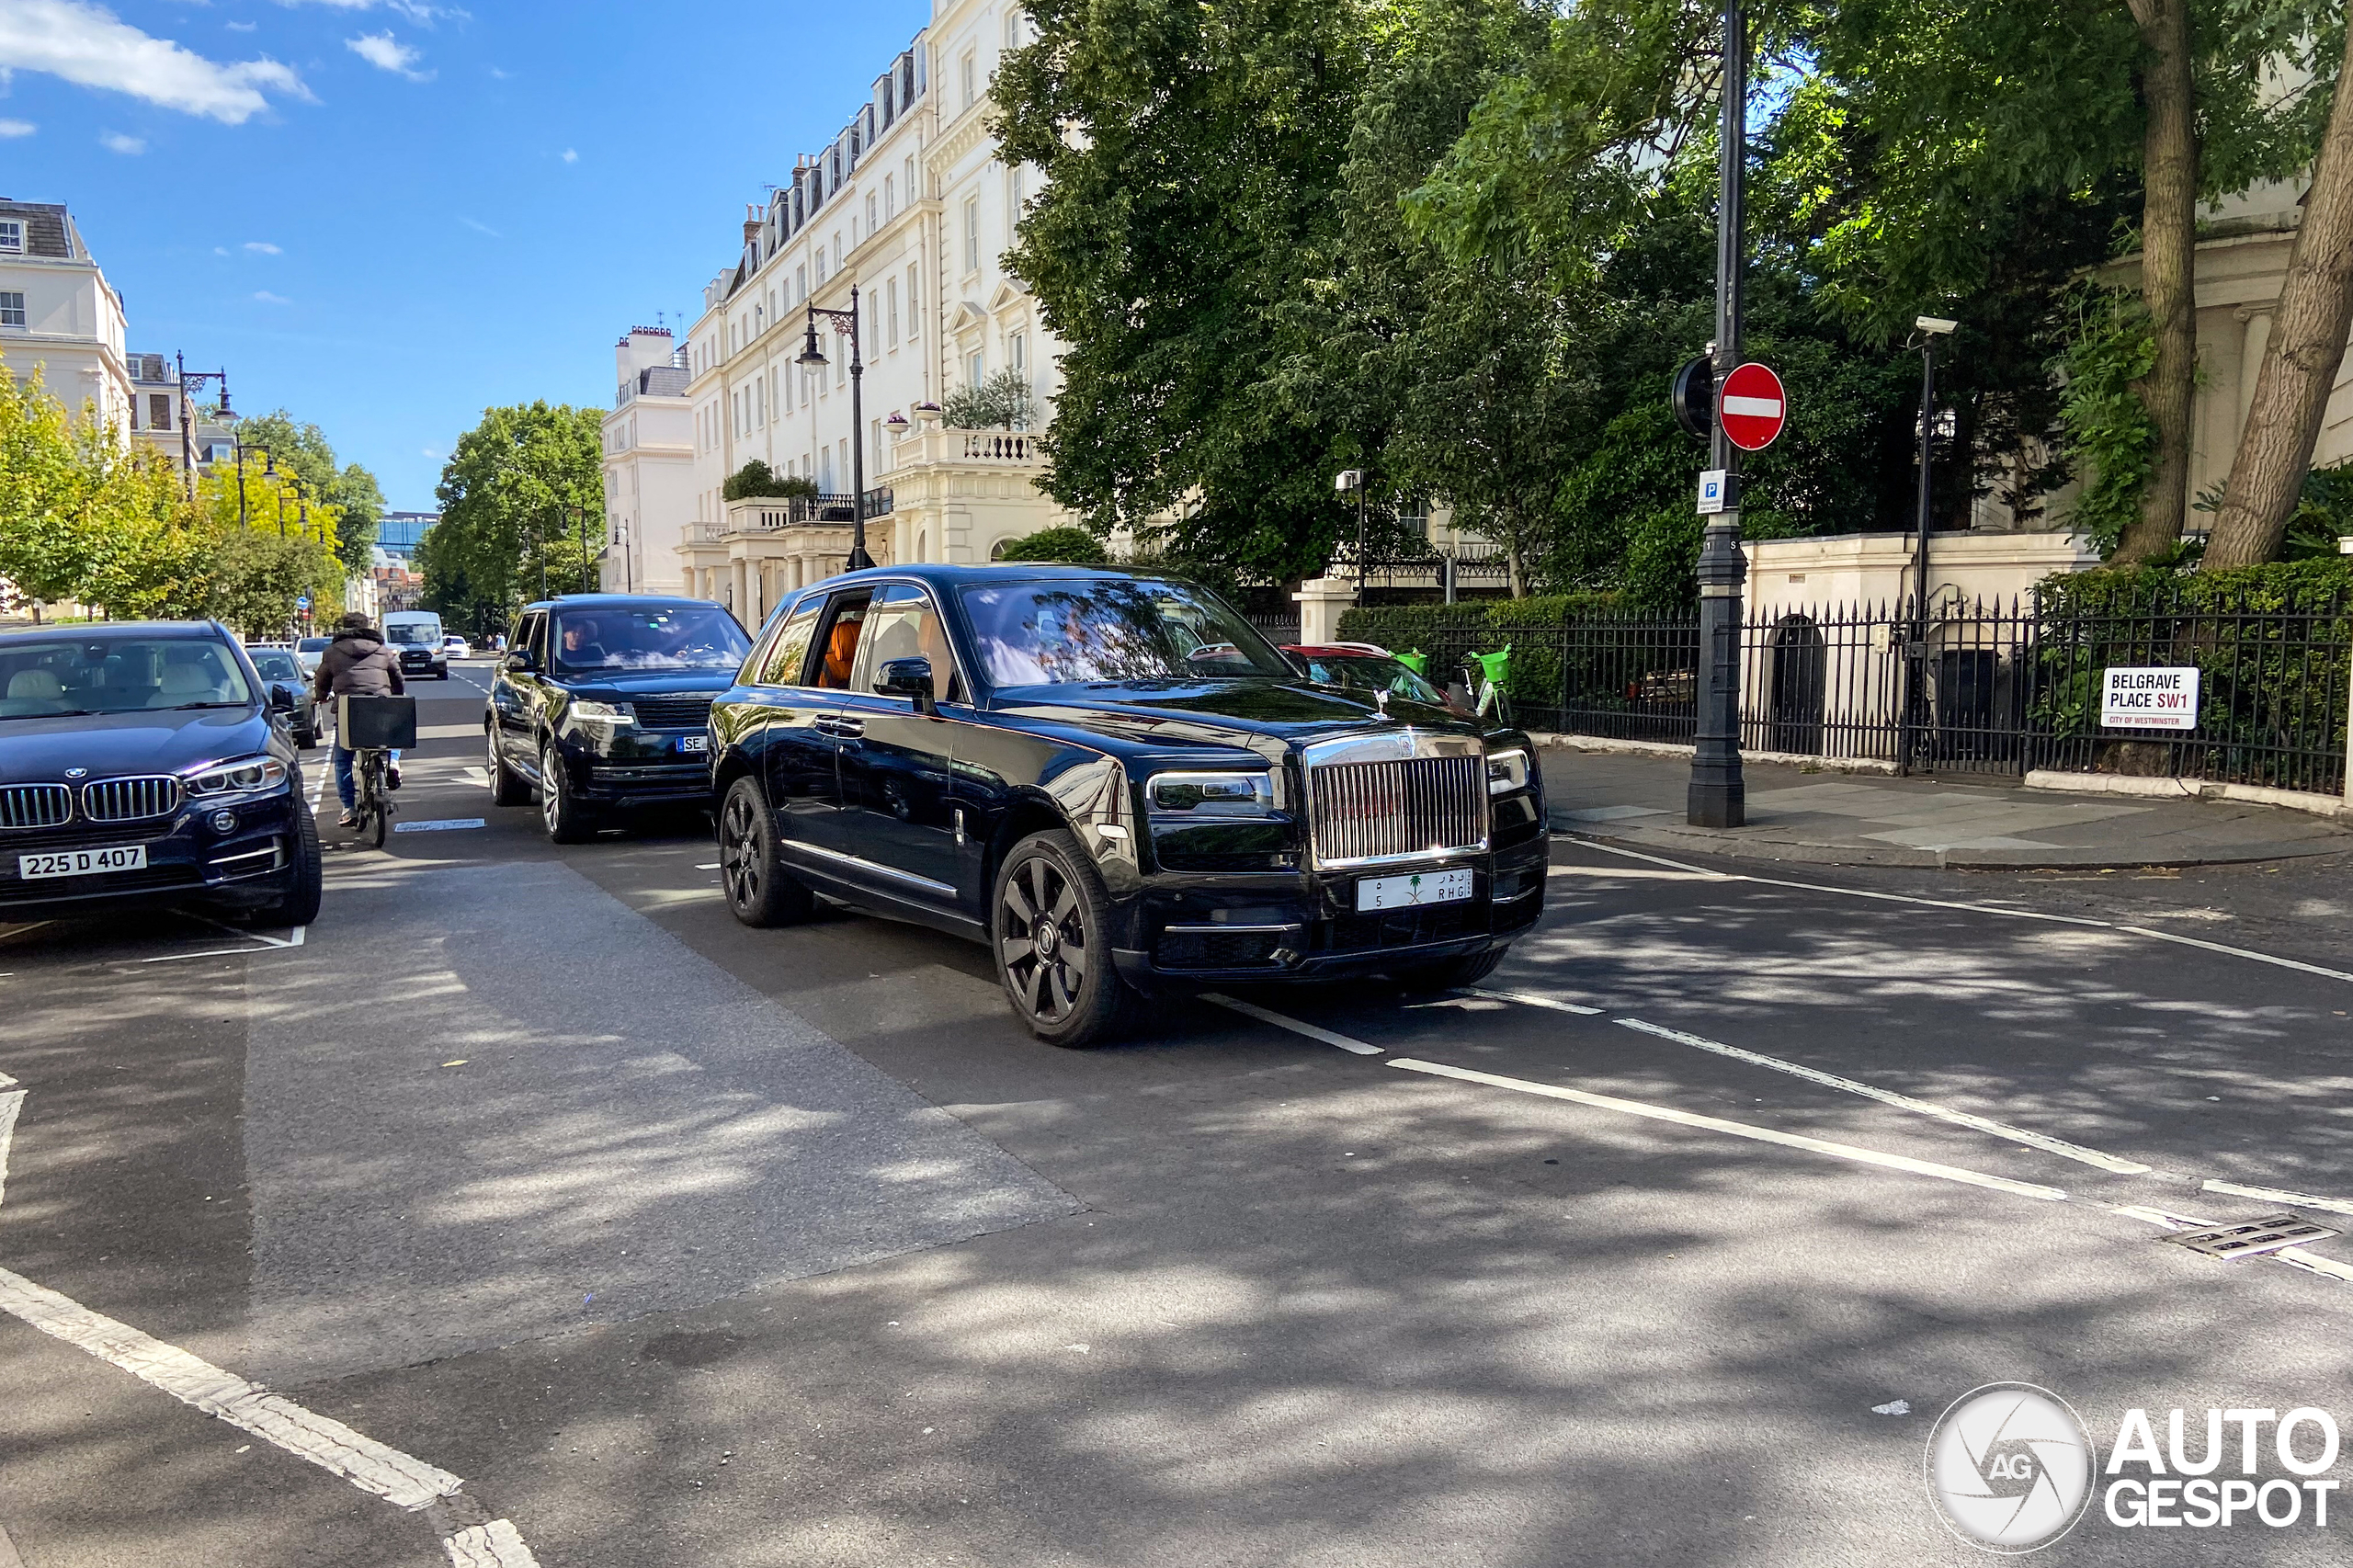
pixel 371 807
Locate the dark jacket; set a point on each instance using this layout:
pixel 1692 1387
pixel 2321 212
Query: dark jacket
pixel 358 662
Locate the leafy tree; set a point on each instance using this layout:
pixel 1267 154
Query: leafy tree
pixel 350 489
pixel 1191 155
pixel 1003 401
pixel 47 533
pixel 1073 546
pixel 522 503
pixel 756 478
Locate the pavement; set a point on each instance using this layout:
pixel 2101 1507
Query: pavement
pixel 1826 817
pixel 681 1243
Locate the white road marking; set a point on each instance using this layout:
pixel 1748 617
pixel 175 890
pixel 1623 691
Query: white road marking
pixel 2281 1195
pixel 1284 1021
pixel 2294 1258
pixel 713 867
pixel 2059 1146
pixel 224 952
pixel 368 1464
pixel 493 1545
pixel 1740 1129
pixel 446 824
pixel 1528 999
pixel 12 1101
pixel 477 776
pixel 2175 938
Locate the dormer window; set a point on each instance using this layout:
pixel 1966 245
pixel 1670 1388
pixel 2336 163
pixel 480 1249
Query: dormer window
pixel 12 235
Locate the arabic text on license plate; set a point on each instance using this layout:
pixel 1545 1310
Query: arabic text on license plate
pixel 700 744
pixel 1406 892
pixel 82 862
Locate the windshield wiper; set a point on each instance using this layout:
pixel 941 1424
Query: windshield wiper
pixel 60 713
pixel 184 707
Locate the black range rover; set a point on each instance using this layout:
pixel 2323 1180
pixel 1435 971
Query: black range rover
pixel 1118 786
pixel 602 705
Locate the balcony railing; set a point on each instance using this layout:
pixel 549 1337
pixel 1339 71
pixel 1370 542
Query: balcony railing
pixel 765 514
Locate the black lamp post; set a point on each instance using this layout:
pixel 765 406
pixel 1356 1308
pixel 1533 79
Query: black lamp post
pixel 1915 705
pixel 189 379
pixel 847 321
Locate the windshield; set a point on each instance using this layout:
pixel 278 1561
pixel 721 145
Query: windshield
pixel 412 632
pixel 42 680
pixel 277 667
pixel 649 637
pixel 313 644
pixel 1050 633
pixel 1370 671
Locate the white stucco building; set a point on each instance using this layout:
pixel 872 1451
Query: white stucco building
pixel 649 460
pixel 59 313
pixel 908 207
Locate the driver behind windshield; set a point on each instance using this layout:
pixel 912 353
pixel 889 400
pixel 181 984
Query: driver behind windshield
pixel 580 641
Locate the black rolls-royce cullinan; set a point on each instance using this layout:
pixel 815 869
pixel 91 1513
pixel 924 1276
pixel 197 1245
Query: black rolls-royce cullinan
pixel 1118 786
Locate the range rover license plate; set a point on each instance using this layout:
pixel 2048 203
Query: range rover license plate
pixel 698 745
pixel 82 862
pixel 1406 892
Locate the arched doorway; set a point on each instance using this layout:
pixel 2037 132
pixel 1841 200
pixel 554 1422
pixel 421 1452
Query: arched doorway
pixel 1799 670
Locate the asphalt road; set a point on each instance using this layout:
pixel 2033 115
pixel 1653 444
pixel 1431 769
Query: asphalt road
pixel 683 1244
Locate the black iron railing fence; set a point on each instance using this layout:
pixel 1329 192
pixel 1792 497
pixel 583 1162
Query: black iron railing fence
pixel 2002 686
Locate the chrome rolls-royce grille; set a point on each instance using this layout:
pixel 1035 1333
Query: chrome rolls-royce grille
pixel 129 799
pixel 35 805
pixel 1363 811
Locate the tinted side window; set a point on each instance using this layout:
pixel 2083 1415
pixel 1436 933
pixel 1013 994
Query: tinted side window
pixel 905 624
pixel 787 657
pixel 527 633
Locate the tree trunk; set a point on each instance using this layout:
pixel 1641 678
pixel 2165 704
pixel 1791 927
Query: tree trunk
pixel 2168 268
pixel 2300 366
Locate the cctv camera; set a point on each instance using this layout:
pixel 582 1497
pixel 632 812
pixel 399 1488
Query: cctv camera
pixel 1937 324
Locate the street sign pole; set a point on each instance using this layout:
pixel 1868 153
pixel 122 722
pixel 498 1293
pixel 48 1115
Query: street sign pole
pixel 1717 797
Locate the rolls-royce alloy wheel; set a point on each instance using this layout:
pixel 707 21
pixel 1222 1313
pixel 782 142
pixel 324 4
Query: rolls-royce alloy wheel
pixel 759 891
pixel 1054 948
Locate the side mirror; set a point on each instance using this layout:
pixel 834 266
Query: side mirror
pixel 906 677
pixel 281 698
pixel 521 660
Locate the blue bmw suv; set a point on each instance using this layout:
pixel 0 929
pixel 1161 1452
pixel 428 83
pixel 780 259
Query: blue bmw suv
pixel 149 764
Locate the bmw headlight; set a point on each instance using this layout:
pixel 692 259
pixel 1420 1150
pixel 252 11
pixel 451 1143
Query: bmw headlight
pixel 242 776
pixel 608 715
pixel 1507 772
pixel 1212 794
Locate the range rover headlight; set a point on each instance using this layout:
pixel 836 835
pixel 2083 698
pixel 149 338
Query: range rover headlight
pixel 610 715
pixel 1507 772
pixel 242 776
pixel 1212 794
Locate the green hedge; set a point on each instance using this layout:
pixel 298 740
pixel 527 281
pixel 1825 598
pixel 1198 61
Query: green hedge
pixel 1396 626
pixel 2120 590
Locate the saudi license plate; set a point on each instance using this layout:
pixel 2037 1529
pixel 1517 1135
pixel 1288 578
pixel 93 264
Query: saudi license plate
pixel 82 862
pixel 1407 893
pixel 698 745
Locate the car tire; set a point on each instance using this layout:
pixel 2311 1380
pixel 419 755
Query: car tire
pixel 566 820
pixel 505 790
pixel 760 892
pixel 1448 974
pixel 300 904
pixel 1075 1006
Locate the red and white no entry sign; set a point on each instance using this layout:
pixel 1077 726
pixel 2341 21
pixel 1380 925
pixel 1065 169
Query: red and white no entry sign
pixel 1752 408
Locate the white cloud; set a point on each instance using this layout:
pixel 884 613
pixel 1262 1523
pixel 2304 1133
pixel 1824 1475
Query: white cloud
pixel 241 27
pixel 570 156
pixel 481 228
pixel 86 45
pixel 415 10
pixel 263 248
pixel 16 128
pixel 266 298
pixel 115 142
pixel 386 53
pixel 428 451
pixel 220 250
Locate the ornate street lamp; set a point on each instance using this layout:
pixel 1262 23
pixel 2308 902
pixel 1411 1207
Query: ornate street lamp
pixel 845 322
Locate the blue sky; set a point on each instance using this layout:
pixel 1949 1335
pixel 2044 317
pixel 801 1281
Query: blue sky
pixel 385 217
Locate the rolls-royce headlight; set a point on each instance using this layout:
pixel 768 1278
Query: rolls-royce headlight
pixel 1212 794
pixel 1507 772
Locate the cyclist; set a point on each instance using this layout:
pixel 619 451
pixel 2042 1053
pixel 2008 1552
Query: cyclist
pixel 357 663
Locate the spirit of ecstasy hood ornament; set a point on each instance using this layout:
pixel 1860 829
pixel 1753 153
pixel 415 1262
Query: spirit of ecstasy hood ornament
pixel 1381 700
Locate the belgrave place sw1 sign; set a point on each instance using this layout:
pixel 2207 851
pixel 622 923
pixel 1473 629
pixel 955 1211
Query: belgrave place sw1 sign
pixel 2159 698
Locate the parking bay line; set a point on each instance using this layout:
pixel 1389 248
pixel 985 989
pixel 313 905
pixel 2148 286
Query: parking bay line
pixel 2173 936
pixel 1296 1025
pixel 1738 1129
pixel 2059 1146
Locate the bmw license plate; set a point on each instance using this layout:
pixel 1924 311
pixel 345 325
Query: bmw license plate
pixel 698 745
pixel 82 862
pixel 1408 892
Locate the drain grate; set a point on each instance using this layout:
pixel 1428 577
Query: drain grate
pixel 2269 1233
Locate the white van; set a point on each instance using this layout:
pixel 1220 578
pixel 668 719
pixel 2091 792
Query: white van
pixel 414 635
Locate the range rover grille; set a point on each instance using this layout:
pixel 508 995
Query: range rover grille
pixel 129 799
pixel 1374 810
pixel 671 712
pixel 35 805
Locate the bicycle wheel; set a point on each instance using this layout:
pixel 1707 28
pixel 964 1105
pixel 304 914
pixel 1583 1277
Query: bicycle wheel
pixel 380 818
